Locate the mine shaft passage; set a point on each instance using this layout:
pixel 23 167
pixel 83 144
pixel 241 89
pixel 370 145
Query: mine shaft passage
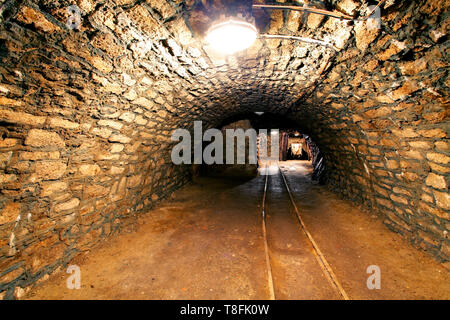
pixel 224 149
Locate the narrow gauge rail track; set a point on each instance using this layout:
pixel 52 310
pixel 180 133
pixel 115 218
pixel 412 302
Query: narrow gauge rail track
pixel 315 250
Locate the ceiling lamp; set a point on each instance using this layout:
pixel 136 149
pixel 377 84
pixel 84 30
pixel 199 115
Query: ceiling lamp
pixel 231 35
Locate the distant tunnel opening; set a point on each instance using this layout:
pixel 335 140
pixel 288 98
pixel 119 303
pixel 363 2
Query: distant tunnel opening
pixel 88 112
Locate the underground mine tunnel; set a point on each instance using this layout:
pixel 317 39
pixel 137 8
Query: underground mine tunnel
pixel 354 203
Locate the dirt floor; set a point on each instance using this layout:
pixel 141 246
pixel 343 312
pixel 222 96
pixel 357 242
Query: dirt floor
pixel 206 243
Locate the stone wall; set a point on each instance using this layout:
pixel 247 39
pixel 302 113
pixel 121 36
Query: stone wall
pixel 87 114
pixel 381 118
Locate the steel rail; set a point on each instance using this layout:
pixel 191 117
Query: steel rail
pixel 324 265
pixel 266 246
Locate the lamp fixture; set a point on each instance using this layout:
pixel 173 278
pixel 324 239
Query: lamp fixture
pixel 235 34
pixel 231 35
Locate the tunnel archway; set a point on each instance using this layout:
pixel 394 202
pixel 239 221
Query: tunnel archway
pixel 87 114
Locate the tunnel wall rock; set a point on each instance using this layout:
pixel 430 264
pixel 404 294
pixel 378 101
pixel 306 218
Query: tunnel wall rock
pixel 381 120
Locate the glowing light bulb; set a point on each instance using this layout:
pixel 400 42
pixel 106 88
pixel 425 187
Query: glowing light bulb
pixel 231 36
